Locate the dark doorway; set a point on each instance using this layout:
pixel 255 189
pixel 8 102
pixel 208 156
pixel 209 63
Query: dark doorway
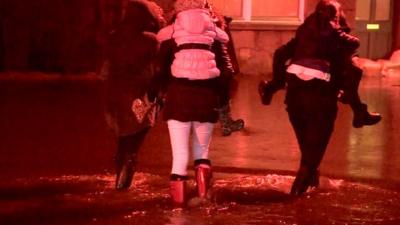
pixel 374 27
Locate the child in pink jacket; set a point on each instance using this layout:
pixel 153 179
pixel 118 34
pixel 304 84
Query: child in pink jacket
pixel 193 31
pixel 192 96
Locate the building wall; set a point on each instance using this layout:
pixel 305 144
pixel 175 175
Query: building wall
pixel 49 35
pixel 255 47
pixel 396 25
pixel 52 36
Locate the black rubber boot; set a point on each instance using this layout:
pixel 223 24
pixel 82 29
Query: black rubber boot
pixel 125 158
pixel 305 178
pixel 364 118
pixel 126 167
pixel 228 125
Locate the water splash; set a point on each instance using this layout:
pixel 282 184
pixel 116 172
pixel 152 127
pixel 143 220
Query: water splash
pixel 233 199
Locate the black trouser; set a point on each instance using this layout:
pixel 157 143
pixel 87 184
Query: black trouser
pixel 129 145
pixel 351 81
pixel 312 110
pixel 227 88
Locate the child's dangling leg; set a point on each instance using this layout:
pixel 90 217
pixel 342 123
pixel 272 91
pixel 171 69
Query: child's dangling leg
pixel 352 76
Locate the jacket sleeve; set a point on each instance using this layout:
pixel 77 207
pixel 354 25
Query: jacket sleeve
pixel 222 58
pixel 267 89
pixel 165 33
pixel 280 57
pixel 221 35
pixel 224 64
pixel 162 69
pixel 347 41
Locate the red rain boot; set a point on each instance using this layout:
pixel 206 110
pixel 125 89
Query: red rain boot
pixel 177 187
pixel 203 179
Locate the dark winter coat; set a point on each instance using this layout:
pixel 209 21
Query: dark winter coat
pixel 339 56
pixel 189 100
pixel 323 42
pixel 131 49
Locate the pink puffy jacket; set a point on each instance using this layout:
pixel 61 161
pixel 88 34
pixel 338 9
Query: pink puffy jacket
pixel 194 26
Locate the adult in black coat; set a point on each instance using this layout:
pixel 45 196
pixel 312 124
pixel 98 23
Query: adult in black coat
pixel 313 84
pixel 130 50
pixel 229 83
pixel 350 77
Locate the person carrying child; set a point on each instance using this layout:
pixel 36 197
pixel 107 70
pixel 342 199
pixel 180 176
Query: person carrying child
pixel 345 68
pixel 314 81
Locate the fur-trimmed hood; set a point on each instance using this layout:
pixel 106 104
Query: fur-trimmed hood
pixel 193 26
pixel 182 5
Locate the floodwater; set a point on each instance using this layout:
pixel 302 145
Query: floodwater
pixel 233 199
pixel 56 163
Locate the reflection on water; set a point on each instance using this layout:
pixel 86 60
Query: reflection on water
pixel 363 161
pixel 372 149
pixel 235 199
pixel 178 219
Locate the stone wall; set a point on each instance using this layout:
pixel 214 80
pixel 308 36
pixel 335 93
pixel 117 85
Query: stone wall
pixel 254 49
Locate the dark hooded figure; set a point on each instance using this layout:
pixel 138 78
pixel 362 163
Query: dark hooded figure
pixel 344 68
pixel 131 48
pixel 313 81
pixel 228 81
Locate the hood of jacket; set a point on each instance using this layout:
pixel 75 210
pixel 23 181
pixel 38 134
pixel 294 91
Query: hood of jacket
pixel 194 21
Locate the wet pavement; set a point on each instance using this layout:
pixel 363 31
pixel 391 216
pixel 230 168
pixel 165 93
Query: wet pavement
pixel 254 168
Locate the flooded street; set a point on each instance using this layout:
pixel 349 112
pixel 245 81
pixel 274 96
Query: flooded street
pixel 56 163
pixel 234 199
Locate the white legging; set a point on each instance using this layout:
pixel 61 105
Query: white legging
pixel 179 133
